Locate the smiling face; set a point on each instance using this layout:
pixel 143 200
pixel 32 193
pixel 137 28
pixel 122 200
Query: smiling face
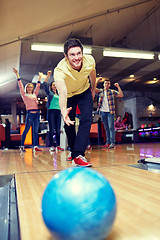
pixel 106 85
pixel 119 118
pixel 75 58
pixel 30 88
pixel 53 87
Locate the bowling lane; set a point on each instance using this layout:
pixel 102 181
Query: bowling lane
pixel 137 193
pixel 30 188
pixel 12 161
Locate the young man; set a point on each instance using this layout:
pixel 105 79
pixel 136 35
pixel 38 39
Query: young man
pixel 106 106
pixel 71 78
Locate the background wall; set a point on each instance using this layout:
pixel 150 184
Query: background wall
pixel 137 103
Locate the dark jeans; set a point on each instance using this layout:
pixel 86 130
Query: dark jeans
pixel 54 121
pixel 108 122
pixel 32 119
pixel 77 143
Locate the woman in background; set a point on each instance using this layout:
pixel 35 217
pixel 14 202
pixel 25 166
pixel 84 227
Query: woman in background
pixel 118 124
pixel 29 96
pixel 53 112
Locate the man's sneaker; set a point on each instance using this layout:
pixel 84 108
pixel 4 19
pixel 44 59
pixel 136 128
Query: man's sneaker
pixel 22 149
pixel 105 146
pixel 37 149
pixel 59 148
pixel 89 147
pixel 111 146
pixel 52 149
pixel 69 157
pixel 80 161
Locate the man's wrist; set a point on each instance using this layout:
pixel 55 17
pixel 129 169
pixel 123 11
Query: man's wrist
pixel 63 110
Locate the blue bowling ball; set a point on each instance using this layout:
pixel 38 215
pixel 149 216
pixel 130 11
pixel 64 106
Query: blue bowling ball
pixel 79 204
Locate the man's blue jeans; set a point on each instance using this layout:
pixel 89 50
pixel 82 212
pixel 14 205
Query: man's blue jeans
pixel 32 119
pixel 108 122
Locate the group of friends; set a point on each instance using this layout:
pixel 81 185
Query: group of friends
pixel 74 85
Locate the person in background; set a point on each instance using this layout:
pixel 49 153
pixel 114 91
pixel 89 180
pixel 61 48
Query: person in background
pixel 106 106
pixel 118 124
pixel 71 77
pixel 29 96
pixel 53 112
pixel 127 120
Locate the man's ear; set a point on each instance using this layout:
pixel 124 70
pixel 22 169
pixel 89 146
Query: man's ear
pixel 65 56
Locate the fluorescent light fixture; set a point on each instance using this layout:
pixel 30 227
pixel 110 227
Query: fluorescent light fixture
pixel 46 47
pixel 152 81
pixel 36 77
pixel 126 53
pixel 87 50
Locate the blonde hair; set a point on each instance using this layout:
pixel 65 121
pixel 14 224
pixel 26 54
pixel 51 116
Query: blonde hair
pixel 27 86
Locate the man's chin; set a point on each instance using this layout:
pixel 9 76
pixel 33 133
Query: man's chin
pixel 77 66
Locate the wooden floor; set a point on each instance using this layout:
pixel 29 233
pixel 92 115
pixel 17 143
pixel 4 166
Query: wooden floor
pixel 137 190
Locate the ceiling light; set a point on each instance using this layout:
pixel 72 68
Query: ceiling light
pixel 126 53
pixel 152 81
pixel 151 106
pixel 87 50
pixel 132 75
pixel 46 47
pixel 36 77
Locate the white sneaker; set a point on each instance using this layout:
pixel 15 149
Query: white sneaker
pixel 89 147
pixel 69 157
pixel 52 149
pixel 22 149
pixel 112 145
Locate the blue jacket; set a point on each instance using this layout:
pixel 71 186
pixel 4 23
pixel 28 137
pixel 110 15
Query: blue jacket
pixel 49 93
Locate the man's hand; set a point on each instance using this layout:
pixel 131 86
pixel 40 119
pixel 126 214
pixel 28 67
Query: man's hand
pixel 116 85
pixel 66 118
pixel 120 93
pixel 100 79
pixel 49 73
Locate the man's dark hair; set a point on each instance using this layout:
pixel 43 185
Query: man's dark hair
pixel 107 80
pixel 72 42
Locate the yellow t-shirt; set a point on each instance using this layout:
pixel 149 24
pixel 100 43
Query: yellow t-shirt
pixel 76 82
